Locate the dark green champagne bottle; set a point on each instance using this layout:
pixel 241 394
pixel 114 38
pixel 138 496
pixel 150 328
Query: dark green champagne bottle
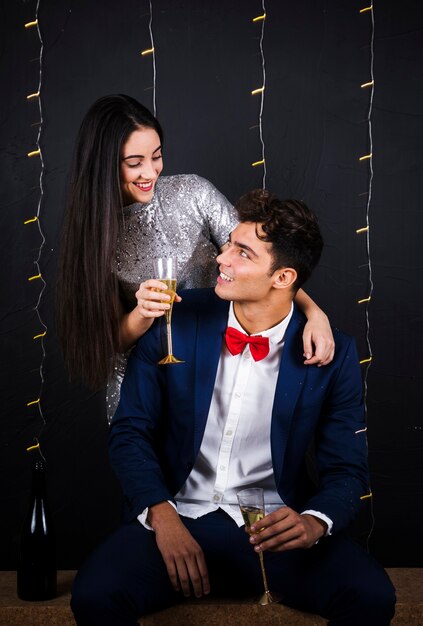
pixel 37 573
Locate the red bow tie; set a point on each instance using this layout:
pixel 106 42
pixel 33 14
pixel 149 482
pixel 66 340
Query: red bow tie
pixel 236 342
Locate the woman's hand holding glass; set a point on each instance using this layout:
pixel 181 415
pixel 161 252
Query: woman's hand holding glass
pixel 151 301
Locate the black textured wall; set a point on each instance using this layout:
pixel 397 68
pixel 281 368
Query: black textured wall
pixel 315 128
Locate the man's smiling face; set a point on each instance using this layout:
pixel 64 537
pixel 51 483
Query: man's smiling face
pixel 245 266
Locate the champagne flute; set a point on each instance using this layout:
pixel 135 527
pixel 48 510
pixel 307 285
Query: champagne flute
pixel 165 269
pixel 251 503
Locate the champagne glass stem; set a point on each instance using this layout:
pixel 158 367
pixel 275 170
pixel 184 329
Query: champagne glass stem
pixel 169 335
pixel 263 572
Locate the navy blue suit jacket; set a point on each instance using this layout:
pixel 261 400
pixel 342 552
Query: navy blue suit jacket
pixel 159 424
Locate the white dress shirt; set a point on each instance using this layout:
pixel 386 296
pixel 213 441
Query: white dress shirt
pixel 235 451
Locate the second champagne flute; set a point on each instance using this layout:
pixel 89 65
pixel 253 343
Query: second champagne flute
pixel 251 503
pixel 165 269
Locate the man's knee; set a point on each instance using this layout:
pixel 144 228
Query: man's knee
pixel 368 602
pixel 378 599
pixel 88 603
pixel 100 604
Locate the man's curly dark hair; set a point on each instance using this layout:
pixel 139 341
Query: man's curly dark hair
pixel 289 226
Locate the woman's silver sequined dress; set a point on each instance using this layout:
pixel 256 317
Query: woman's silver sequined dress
pixel 188 218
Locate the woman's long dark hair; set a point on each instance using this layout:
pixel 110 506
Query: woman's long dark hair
pixel 88 303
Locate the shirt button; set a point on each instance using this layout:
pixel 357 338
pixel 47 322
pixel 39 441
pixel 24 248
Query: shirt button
pixel 247 355
pixel 216 498
pixel 228 432
pixel 237 394
pixel 222 467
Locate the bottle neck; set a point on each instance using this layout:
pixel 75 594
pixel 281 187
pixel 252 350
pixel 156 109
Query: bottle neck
pixel 38 478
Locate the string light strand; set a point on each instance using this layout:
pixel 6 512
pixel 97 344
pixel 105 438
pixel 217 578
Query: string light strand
pixel 261 91
pixel 36 220
pixel 366 230
pixel 150 28
pixel 366 362
pixel 151 51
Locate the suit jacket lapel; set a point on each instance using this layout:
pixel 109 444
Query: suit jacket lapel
pixel 289 385
pixel 210 334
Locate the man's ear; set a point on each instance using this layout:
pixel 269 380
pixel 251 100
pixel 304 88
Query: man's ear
pixel 284 278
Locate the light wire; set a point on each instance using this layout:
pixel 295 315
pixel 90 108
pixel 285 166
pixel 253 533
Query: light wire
pixel 262 92
pixel 36 220
pixel 367 362
pixel 150 28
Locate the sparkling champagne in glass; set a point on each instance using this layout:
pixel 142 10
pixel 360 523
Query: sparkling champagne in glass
pixel 165 270
pixel 251 503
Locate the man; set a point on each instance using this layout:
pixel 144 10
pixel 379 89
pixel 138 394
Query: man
pixel 241 411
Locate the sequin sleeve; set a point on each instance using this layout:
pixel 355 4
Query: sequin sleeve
pixel 217 211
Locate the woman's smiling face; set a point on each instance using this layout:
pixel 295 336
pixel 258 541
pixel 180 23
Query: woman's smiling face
pixel 141 165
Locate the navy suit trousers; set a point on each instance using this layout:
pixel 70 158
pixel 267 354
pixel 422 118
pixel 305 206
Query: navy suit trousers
pixel 125 578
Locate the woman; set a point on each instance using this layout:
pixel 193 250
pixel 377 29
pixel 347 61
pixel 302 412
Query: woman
pixel 120 215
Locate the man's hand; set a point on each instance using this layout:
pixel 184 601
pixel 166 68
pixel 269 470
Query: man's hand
pixel 285 529
pixel 182 555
